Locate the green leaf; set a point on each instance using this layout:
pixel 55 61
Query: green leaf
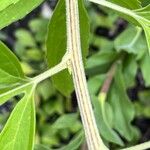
pixel 144 20
pixel 41 147
pixel 17 11
pixel 25 38
pixel 100 62
pixel 135 43
pixel 123 109
pixel 56 45
pixel 11 74
pixel 142 110
pixel 75 142
pixel 105 126
pixel 13 90
pixel 6 3
pixel 144 2
pixel 46 90
pixel 19 130
pixel 105 129
pixel 9 62
pixel 131 4
pixel 144 66
pixel 144 97
pixel 36 25
pixel 144 12
pixel 140 17
pixel 66 121
pixel 6 80
pixel 130 68
pixel 147 34
pixel 95 82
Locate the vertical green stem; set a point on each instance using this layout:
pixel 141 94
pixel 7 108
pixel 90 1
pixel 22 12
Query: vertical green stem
pixel 74 48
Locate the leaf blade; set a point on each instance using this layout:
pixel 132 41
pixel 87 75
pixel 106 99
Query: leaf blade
pixel 131 4
pixel 5 3
pixel 18 132
pixel 57 45
pixel 9 62
pixel 134 16
pixel 123 107
pixel 17 11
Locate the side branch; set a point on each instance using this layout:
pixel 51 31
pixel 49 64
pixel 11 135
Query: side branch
pixel 56 69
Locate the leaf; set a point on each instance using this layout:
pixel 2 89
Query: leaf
pixel 17 11
pixel 131 4
pixel 135 43
pixel 105 129
pixel 40 147
pixel 56 45
pixel 142 110
pixel 6 3
pixel 9 62
pixel 144 66
pixel 144 97
pixel 123 109
pixel 147 34
pixel 6 79
pixel 75 142
pixel 11 75
pixel 66 121
pixel 130 68
pixel 144 20
pixel 13 90
pixel 105 126
pixel 95 82
pixel 46 90
pixel 144 2
pixel 25 38
pixel 100 62
pixel 19 130
pixel 140 17
pixel 144 12
pixel 36 25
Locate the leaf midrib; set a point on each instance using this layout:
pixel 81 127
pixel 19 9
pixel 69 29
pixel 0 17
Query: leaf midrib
pixel 121 9
pixel 15 77
pixel 28 99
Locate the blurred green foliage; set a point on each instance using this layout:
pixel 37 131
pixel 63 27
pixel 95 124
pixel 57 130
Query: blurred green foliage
pixel 58 119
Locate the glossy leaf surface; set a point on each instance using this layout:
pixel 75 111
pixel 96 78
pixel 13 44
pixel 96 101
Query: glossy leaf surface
pixel 56 45
pixel 17 11
pixel 18 132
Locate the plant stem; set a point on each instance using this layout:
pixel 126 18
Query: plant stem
pixel 34 81
pixel 109 78
pixel 105 89
pixel 74 47
pixel 61 66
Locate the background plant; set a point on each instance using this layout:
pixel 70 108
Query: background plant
pixel 123 57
